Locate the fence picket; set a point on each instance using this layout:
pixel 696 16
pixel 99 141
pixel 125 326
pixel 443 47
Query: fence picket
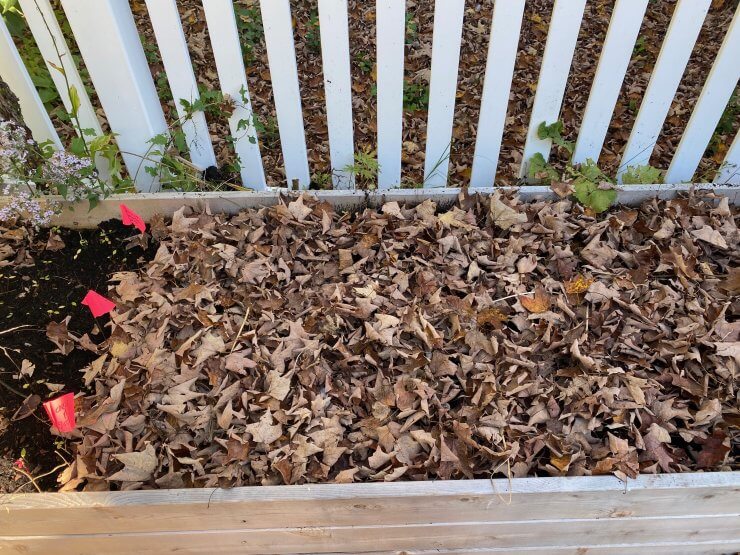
pixel 334 25
pixel 278 27
pixel 683 31
pixel 48 35
pixel 729 171
pixel 176 59
pixel 391 31
pixel 718 89
pixel 559 48
pixel 505 28
pixel 615 57
pixel 227 53
pixel 42 22
pixel 448 24
pixel 122 79
pixel 14 73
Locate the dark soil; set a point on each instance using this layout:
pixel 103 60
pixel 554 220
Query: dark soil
pixel 49 287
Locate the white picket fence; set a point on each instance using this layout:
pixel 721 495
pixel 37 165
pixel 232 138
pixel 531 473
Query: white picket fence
pixel 107 38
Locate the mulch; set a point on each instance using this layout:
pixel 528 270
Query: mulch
pixel 43 277
pixel 299 344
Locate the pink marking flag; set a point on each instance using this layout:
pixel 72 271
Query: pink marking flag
pixel 61 412
pixel 98 304
pixel 129 217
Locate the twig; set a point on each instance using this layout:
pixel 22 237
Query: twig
pixel 512 297
pixel 33 480
pixel 12 389
pixel 14 329
pixel 508 476
pixel 239 333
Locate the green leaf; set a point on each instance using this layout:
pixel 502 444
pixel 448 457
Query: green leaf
pixel 78 146
pixel 180 142
pixel 99 143
pixel 94 201
pixel 540 170
pixel 593 196
pixel 160 140
pixel 642 175
pixel 554 132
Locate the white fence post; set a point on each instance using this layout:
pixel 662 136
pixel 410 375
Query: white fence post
pixel 729 171
pixel 278 26
pixel 506 25
pixel 106 34
pixel 176 59
pixel 613 63
pixel 559 48
pixel 683 31
pixel 718 89
pixel 334 25
pixel 391 31
pixel 48 35
pixel 14 73
pixel 448 24
pixel 227 52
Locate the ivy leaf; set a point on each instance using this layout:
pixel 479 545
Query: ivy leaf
pixel 596 197
pixel 642 175
pixel 554 132
pixel 539 169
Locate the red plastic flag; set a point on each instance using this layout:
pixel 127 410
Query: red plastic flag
pixel 61 412
pixel 98 304
pixel 129 217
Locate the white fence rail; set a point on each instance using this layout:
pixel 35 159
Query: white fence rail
pixel 124 85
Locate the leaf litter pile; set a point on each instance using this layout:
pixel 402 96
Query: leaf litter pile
pixel 298 343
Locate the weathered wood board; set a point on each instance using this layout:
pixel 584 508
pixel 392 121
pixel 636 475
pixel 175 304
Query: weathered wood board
pixel 679 513
pixel 148 204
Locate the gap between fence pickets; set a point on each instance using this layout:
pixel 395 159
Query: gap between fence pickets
pixel 79 216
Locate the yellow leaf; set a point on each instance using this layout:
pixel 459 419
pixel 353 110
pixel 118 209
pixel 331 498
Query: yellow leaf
pixel 561 463
pixel 455 218
pixel 578 285
pixel 118 348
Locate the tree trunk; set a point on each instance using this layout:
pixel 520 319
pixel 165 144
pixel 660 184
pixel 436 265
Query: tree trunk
pixel 10 109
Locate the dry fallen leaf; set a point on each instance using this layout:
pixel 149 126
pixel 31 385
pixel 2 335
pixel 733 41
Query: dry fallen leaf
pixel 537 303
pixel 578 285
pixel 138 466
pixel 503 215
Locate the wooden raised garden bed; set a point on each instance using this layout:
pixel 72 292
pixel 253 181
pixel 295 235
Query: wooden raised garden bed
pixel 689 512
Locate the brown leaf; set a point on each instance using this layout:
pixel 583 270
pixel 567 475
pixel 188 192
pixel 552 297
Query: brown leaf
pixel 299 210
pixel 58 334
pixel 27 408
pixel 138 466
pixel 264 431
pixel 714 450
pixel 711 236
pixel 538 303
pixel 503 215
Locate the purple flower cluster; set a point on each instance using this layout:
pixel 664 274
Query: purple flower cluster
pixel 22 204
pixel 14 145
pixel 70 172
